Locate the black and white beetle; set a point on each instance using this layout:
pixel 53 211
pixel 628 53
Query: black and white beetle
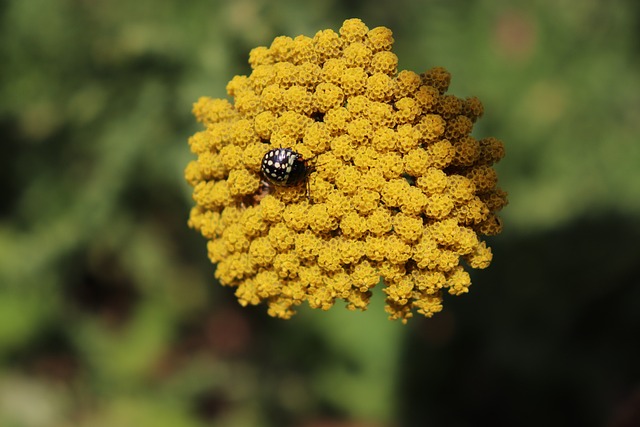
pixel 284 167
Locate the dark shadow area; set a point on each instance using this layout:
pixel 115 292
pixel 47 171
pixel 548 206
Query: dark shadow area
pixel 547 336
pixel 50 357
pixel 9 151
pixel 101 286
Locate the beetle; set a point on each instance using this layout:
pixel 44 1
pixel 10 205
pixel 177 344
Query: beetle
pixel 284 167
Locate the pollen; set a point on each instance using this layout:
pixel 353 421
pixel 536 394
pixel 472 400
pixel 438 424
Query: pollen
pixel 392 189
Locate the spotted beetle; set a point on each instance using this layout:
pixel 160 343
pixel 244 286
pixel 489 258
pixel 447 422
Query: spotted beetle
pixel 284 167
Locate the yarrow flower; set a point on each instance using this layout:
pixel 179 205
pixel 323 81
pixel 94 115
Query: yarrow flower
pixel 398 192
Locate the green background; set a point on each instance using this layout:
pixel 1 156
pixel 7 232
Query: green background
pixel 109 312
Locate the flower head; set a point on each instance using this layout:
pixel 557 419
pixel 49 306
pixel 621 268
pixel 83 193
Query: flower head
pixel 397 188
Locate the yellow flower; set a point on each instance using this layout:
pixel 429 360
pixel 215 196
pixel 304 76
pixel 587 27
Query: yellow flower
pixel 398 188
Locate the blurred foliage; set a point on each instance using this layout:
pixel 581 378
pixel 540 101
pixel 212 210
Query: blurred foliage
pixel 109 314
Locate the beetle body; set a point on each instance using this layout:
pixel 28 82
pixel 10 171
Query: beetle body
pixel 284 167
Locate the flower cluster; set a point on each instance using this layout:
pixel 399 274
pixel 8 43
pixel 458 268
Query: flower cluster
pixel 399 190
